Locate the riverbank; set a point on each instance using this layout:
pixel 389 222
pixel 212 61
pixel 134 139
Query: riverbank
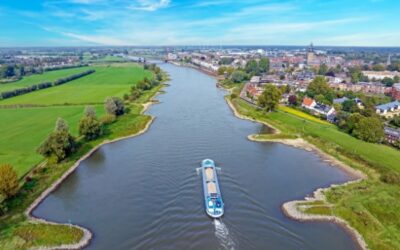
pixel 360 204
pixel 21 230
pixel 291 208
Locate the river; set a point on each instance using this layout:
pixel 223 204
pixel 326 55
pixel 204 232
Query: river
pixel 144 193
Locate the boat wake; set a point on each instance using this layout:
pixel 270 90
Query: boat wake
pixel 223 236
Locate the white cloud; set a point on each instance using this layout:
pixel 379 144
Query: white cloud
pixel 96 39
pixel 150 5
pixel 84 1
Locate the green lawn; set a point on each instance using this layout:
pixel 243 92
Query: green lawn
pixel 377 155
pixel 23 129
pixel 114 80
pixel 371 206
pixel 49 76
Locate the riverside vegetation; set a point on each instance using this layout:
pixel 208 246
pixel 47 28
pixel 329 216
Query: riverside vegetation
pixel 370 206
pixel 106 117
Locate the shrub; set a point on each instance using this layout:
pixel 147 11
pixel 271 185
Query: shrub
pixel 8 181
pixel 59 144
pixel 233 96
pixel 390 177
pixel 89 125
pixel 107 119
pixel 114 106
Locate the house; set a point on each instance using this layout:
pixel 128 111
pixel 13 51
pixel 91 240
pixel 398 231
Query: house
pixel 379 75
pixel 340 100
pixel 392 135
pixel 308 103
pixel 388 110
pixel 395 93
pixel 319 109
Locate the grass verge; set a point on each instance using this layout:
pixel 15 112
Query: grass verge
pixel 370 206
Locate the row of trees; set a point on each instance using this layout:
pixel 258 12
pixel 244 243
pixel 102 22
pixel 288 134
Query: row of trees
pixel 21 91
pixel 145 84
pixel 60 143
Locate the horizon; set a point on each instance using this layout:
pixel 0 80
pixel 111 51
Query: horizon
pixel 141 23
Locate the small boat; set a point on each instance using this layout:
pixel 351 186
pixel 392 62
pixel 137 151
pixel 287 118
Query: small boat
pixel 212 194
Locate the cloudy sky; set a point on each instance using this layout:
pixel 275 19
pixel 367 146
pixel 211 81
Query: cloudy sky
pixel 193 22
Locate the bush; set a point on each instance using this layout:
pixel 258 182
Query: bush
pixel 108 119
pixel 8 181
pixel 89 125
pixel 391 177
pixel 114 106
pixel 59 144
pixel 233 96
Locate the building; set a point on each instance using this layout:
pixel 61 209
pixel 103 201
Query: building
pixel 340 100
pixel 392 135
pixel 310 55
pixel 388 110
pixel 318 108
pixel 380 75
pixel 395 93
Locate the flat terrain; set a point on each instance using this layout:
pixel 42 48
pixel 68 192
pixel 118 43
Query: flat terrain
pixel 108 80
pixel 49 76
pixel 23 129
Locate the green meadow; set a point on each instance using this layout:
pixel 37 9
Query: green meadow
pixel 371 206
pixel 49 76
pixel 23 129
pixel 108 80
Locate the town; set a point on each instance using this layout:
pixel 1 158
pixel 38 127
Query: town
pixel 366 83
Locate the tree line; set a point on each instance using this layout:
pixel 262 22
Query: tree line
pixel 21 91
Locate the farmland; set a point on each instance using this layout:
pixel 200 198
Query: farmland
pixel 114 80
pixel 23 129
pixel 49 76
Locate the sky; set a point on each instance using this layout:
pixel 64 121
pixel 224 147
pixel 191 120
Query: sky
pixel 193 22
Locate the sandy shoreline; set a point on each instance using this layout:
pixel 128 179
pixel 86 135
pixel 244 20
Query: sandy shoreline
pixel 290 208
pixel 87 235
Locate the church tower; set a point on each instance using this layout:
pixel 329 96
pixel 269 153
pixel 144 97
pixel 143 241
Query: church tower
pixel 310 54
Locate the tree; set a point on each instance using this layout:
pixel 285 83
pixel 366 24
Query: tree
pixel 269 98
pixel 263 65
pixel 396 79
pixel 350 106
pixel 292 100
pixel 396 121
pixel 252 67
pixel 369 129
pixel 388 81
pixel 319 86
pixel 8 181
pixel 59 144
pixel 238 76
pixel 89 125
pixel 114 106
pixel 323 69
pixel 350 122
pixel 378 67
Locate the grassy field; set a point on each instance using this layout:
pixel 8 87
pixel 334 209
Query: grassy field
pixel 302 115
pixel 23 129
pixel 108 80
pixel 371 206
pixel 49 76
